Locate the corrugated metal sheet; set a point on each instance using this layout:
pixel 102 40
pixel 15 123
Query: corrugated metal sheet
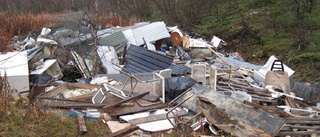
pixel 142 60
pixel 150 32
pixel 130 36
pixel 114 39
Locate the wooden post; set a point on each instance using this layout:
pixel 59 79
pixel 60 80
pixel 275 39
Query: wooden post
pixel 82 124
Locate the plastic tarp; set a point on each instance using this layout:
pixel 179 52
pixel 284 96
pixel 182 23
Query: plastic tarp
pixel 310 94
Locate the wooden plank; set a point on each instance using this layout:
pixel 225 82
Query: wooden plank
pixel 123 131
pixel 283 114
pixel 303 119
pixel 82 97
pixel 223 121
pixel 303 122
pixel 75 105
pixel 66 86
pixel 302 127
pixel 135 109
pixel 156 117
pixel 125 100
pixel 302 133
pixel 264 100
pixel 81 124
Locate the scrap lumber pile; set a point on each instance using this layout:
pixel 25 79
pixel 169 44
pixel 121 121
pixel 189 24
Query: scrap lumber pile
pixel 151 78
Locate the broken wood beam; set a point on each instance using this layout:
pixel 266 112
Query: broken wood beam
pixel 125 100
pixel 79 105
pixel 81 124
pixel 283 114
pixel 124 131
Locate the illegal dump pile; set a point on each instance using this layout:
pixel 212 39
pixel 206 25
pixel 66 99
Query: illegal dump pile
pixel 148 78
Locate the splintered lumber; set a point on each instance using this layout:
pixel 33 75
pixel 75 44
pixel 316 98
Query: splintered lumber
pixel 283 114
pixel 222 120
pixel 125 100
pixel 81 124
pixel 124 131
pixel 263 120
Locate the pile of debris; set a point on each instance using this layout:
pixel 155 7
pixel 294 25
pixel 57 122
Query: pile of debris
pixel 152 78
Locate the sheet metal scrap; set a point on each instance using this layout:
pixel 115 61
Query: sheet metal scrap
pixel 142 60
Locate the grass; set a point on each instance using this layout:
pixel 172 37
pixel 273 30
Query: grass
pixel 261 29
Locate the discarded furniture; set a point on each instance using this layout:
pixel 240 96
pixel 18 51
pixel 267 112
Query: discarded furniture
pixel 198 73
pixel 50 67
pixel 213 78
pixel 15 66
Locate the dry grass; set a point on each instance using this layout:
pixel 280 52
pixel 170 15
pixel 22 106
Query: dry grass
pixel 116 20
pixel 22 24
pixel 5 95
